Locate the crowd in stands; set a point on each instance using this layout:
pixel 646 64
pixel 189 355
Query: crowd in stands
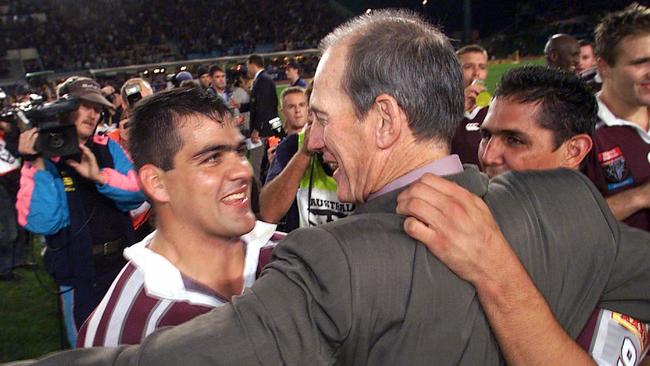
pixel 70 35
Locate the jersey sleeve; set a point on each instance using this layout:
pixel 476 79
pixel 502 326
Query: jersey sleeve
pixel 121 181
pixel 41 203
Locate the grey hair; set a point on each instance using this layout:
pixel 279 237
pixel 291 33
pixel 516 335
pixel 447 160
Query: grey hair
pixel 398 53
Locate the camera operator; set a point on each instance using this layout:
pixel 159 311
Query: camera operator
pixel 131 92
pixel 80 206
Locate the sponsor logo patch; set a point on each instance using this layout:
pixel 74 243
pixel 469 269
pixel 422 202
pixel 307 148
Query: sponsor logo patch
pixel 68 184
pixel 472 126
pixel 615 168
pixel 638 328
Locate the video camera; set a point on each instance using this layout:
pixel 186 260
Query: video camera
pixel 133 94
pixel 57 136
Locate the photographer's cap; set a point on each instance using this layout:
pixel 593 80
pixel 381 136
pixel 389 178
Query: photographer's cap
pixel 85 89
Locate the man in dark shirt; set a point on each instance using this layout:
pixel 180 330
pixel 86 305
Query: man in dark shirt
pixel 474 61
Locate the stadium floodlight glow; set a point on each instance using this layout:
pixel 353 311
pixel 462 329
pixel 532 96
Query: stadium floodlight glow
pixel 424 2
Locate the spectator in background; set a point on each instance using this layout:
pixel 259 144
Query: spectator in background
pixel 474 61
pixel 203 251
pixel 13 239
pixel 81 207
pixel 114 97
pixel 562 52
pixel 263 107
pixel 294 108
pixel 219 83
pixel 204 77
pixel 293 70
pixel 180 77
pixel 133 90
pixel 587 59
pixel 587 67
pixel 620 162
pixel 241 95
pixel 299 189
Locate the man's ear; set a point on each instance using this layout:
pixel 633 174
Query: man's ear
pixel 576 150
pixel 152 180
pixel 393 121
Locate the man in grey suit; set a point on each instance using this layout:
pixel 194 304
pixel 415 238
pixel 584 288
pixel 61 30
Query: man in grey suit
pixel 360 291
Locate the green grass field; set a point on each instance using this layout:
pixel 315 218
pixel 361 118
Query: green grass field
pixel 28 314
pixel 29 319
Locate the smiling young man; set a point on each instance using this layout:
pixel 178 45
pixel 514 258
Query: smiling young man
pixel 620 162
pixel 208 247
pixel 527 129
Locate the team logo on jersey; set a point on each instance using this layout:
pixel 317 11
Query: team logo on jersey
pixel 68 183
pixel 638 328
pixel 472 126
pixel 615 168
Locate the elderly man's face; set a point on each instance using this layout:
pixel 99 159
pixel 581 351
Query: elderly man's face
pixel 336 131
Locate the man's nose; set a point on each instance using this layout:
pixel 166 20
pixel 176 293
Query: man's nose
pixel 315 142
pixel 490 152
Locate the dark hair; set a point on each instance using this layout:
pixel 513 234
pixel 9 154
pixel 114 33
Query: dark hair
pixel 256 60
pixel 153 132
pixel 610 32
pixel 398 53
pixel 566 106
pixel 214 68
pixel 585 42
pixel 294 65
pixel 202 70
pixel 471 48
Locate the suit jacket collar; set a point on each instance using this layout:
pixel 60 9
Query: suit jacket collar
pixel 470 178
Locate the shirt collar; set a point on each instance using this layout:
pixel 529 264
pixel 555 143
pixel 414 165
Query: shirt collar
pixel 610 120
pixel 163 279
pixel 258 74
pixel 444 166
pixel 472 114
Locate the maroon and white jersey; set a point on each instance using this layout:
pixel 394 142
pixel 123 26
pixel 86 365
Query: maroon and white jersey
pixel 620 159
pixel 468 136
pixel 150 292
pixel 615 339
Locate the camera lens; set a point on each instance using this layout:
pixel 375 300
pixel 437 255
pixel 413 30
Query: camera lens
pixel 55 141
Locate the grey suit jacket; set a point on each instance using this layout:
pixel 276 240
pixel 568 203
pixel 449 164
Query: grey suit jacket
pixel 361 292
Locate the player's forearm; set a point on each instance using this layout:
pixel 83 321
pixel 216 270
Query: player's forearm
pixel 277 195
pixel 526 330
pixel 627 203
